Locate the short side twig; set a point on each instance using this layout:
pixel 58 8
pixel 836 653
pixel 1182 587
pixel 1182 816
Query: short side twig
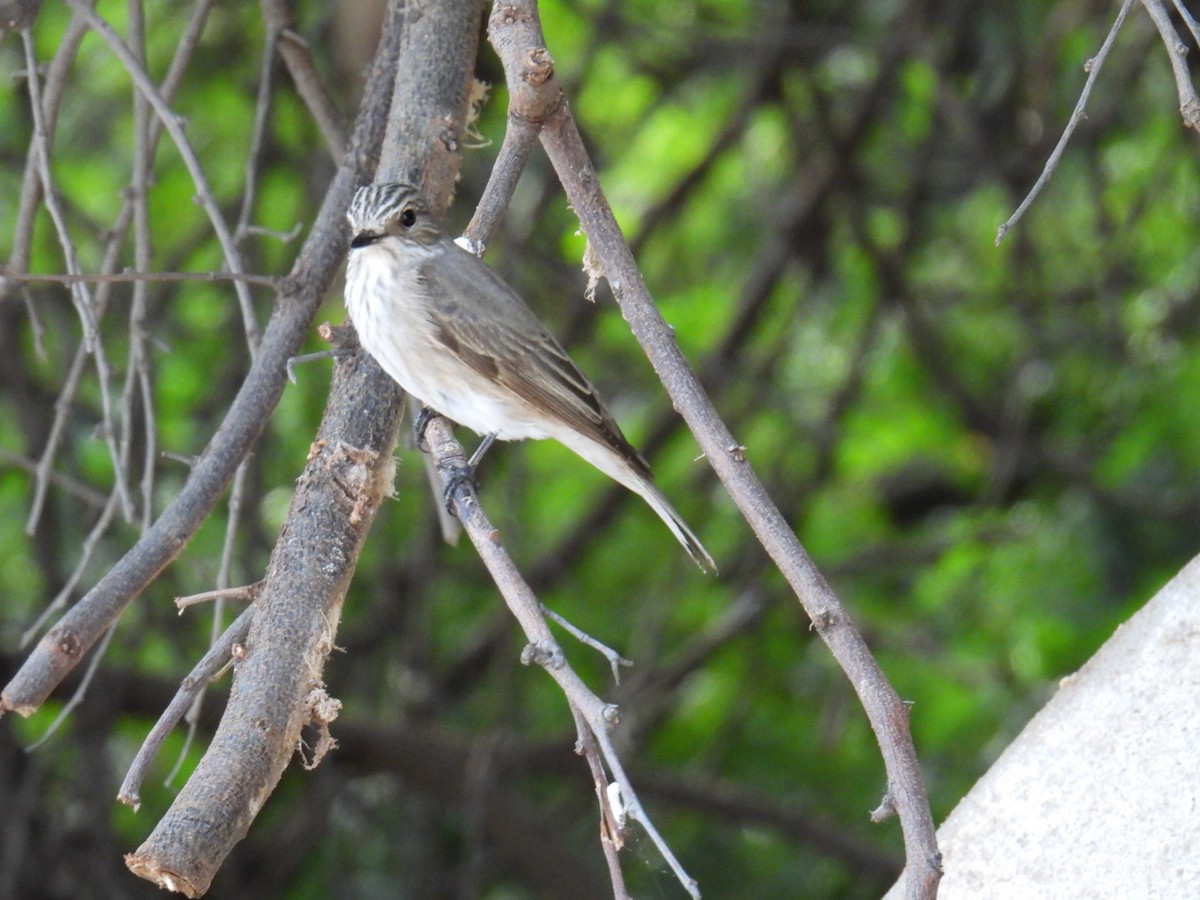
pixel 212 662
pixel 615 659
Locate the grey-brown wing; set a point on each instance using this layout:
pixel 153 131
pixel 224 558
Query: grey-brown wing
pixel 490 328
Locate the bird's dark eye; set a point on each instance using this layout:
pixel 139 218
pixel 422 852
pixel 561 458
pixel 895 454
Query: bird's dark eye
pixel 408 218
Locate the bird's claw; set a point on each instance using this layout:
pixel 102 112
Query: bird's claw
pixel 455 479
pixel 420 424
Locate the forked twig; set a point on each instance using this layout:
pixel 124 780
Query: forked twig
pixel 615 659
pixel 1189 103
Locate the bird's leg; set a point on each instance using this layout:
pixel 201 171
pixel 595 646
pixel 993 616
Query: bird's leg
pixel 473 462
pixel 466 473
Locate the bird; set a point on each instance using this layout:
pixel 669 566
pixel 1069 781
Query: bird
pixel 453 334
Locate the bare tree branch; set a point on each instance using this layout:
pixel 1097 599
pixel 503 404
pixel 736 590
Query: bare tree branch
pixel 1189 103
pixel 594 717
pixel 210 665
pixel 294 51
pixel 277 685
pixel 131 277
pixel 515 32
pixel 174 126
pixel 88 310
pixel 1093 69
pixel 56 81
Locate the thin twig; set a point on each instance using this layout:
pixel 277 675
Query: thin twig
pixel 611 825
pixel 174 126
pixel 315 356
pixel 615 659
pixel 79 693
pixel 193 686
pixel 1189 20
pixel 41 142
pixel 262 111
pixel 129 276
pixel 92 341
pixel 245 592
pixel 90 543
pixel 72 486
pixel 138 386
pixel 542 649
pixel 236 499
pixel 1189 103
pixel 295 54
pixel 58 427
pixel 57 73
pixel 1092 67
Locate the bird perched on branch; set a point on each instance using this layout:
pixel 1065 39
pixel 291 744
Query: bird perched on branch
pixel 456 337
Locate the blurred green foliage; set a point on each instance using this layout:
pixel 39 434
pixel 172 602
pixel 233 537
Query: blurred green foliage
pixel 990 452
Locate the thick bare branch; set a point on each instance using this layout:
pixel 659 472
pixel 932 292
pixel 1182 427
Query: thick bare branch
pixel 277 685
pixel 295 619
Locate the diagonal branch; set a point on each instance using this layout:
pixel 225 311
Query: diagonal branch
pixel 309 86
pixel 594 718
pixel 515 32
pixel 292 631
pixel 1093 69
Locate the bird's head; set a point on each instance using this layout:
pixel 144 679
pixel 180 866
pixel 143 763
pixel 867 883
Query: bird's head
pixel 390 210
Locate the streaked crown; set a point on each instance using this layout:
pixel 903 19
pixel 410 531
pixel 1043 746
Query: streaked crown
pixel 391 208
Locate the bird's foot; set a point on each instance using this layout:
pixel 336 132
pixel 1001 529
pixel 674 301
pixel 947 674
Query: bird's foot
pixel 453 480
pixel 422 421
pixel 466 474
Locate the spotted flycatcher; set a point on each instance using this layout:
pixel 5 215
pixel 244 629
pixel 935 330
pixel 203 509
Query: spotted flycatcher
pixel 457 338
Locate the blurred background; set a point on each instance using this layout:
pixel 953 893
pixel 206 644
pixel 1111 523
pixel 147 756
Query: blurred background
pixel 989 451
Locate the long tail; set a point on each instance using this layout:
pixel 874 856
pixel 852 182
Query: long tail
pixel 661 505
pixel 618 469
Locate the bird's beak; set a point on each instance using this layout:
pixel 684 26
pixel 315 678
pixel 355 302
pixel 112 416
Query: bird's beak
pixel 364 239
